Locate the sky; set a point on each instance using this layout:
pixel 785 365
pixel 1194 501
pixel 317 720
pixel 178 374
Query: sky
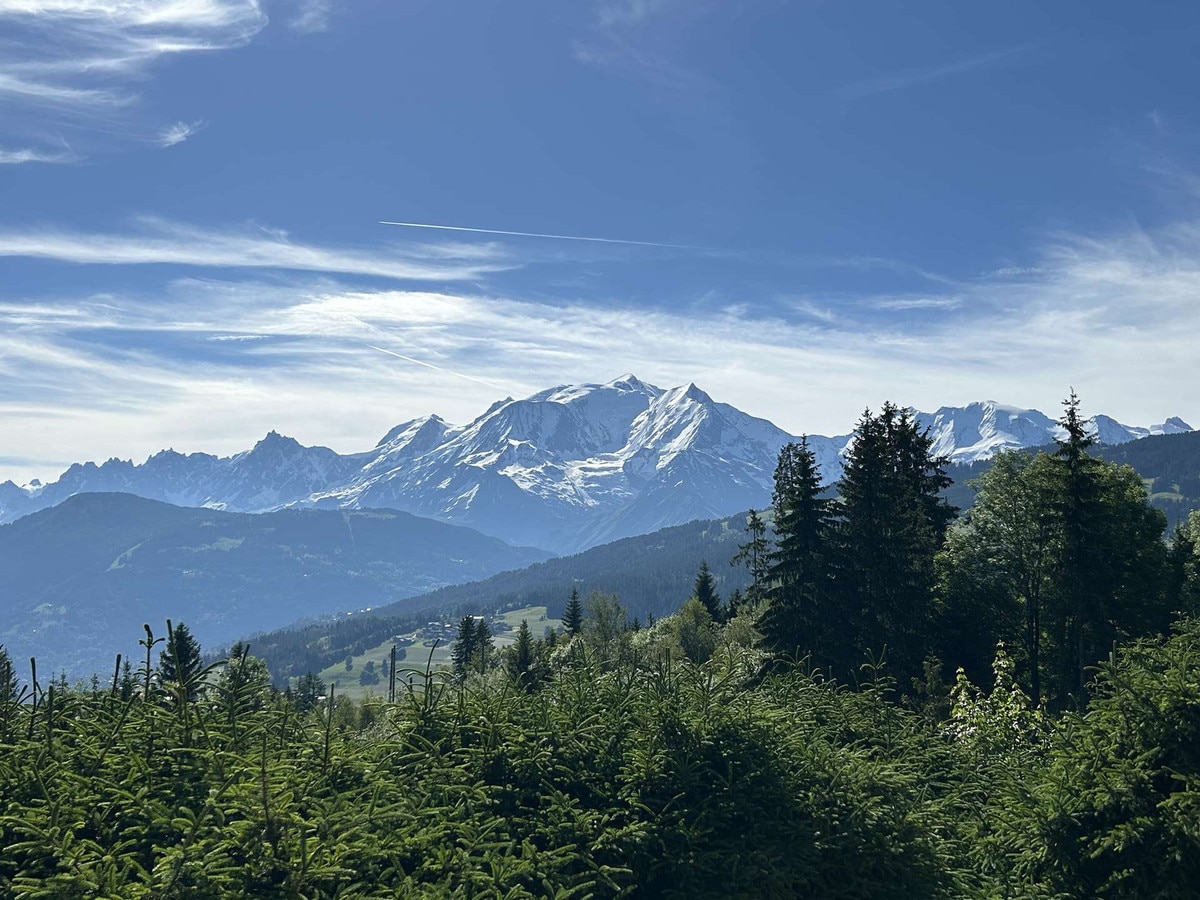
pixel 806 208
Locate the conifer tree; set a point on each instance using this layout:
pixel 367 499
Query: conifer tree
pixel 179 662
pixel 1183 568
pixel 463 653
pixel 309 690
pixel 893 522
pixel 128 681
pixel 797 620
pixel 705 590
pixel 520 657
pixel 573 615
pixel 10 697
pixel 755 555
pixel 483 644
pixel 737 602
pixel 1076 508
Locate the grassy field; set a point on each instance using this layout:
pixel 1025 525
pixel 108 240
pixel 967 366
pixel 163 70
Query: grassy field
pixel 416 655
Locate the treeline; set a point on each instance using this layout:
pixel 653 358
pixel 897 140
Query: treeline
pixel 1059 557
pixel 1168 463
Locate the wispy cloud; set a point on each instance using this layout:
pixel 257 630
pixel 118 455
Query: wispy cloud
pixel 29 155
pixel 907 78
pixel 178 133
pixel 628 12
pixel 213 364
pixel 162 241
pixel 68 61
pixel 311 16
pixel 623 41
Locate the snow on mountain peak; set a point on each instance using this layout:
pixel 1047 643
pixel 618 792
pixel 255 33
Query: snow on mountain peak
pixel 564 468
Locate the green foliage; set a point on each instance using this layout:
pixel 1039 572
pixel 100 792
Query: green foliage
pixel 691 633
pixel 754 555
pixel 1060 556
pixel 648 776
pixel 704 589
pixel 572 618
pixel 179 663
pixel 1116 813
pixel 892 521
pixel 798 619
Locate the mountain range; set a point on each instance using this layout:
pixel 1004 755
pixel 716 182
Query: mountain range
pixel 568 468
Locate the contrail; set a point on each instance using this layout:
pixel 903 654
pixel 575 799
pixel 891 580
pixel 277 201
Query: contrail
pixel 534 234
pixel 427 365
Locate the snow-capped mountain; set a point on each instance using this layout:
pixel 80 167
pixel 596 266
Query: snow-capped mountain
pixel 564 469
pixel 973 432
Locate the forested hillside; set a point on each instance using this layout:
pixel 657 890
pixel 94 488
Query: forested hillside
pixel 1169 464
pixel 652 574
pixel 80 577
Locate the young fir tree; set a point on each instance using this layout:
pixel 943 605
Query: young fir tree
pixel 755 555
pixel 797 621
pixel 573 615
pixel 705 590
pixel 179 663
pixel 520 657
pixel 463 654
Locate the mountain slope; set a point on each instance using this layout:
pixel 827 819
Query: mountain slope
pixel 652 574
pixel 81 578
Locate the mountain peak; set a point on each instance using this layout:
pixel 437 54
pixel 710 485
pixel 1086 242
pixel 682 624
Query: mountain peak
pixel 274 439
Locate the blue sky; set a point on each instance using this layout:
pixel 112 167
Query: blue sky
pixel 931 203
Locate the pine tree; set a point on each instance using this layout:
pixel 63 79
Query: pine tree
pixel 1111 581
pixel 483 644
pixel 463 653
pixel 705 590
pixel 1076 507
pixel 755 555
pixel 893 521
pixel 179 663
pixel 520 657
pixel 1183 568
pixel 10 697
pixel 573 615
pixel 737 602
pixel 309 690
pixel 128 681
pixel 797 620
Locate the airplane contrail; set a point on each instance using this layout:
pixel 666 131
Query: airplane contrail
pixel 421 362
pixel 534 234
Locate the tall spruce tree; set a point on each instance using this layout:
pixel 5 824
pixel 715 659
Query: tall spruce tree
pixel 1112 576
pixel 463 653
pixel 704 589
pixel 1077 510
pixel 573 615
pixel 484 644
pixel 893 521
pixel 797 621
